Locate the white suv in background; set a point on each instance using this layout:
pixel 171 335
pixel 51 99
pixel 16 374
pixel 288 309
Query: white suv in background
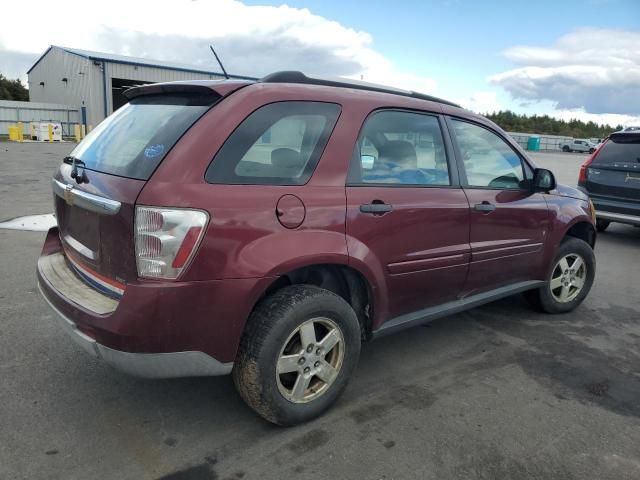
pixel 578 145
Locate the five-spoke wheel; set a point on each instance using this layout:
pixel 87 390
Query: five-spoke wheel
pixel 568 277
pixel 310 360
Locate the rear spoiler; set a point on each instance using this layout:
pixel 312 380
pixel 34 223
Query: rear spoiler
pixel 625 137
pixel 213 88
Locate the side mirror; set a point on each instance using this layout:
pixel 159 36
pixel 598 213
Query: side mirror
pixel 543 180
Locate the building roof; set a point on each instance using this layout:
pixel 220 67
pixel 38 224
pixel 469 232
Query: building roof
pixel 143 62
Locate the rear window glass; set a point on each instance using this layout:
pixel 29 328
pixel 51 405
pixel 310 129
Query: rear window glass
pixel 278 144
pixel 133 140
pixel 622 148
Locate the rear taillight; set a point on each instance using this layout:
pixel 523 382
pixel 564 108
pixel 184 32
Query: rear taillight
pixel 582 176
pixel 166 240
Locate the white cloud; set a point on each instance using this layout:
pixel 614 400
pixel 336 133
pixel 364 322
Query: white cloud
pixel 482 102
pixel 252 40
pixel 596 70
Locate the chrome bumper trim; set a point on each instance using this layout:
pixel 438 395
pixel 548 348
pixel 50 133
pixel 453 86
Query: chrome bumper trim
pixel 146 365
pixel 56 272
pixel 86 200
pixel 618 217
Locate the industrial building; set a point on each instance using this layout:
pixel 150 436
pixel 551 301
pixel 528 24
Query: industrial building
pixel 93 82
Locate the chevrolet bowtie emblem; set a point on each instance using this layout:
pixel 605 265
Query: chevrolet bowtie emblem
pixel 68 195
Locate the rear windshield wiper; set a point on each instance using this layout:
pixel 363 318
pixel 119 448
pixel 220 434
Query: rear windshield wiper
pixel 74 162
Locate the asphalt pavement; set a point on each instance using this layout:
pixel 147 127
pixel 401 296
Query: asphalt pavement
pixel 499 392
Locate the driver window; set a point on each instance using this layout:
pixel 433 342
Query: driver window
pixel 488 160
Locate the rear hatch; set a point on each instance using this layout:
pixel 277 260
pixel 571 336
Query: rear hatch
pixel 615 169
pixel 97 185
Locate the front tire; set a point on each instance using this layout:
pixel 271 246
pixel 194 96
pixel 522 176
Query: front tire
pixel 570 278
pixel 299 349
pixel 566 149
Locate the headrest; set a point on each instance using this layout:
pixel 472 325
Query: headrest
pixel 400 152
pixel 285 158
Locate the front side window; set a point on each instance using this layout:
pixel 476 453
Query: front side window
pixel 400 148
pixel 488 160
pixel 278 144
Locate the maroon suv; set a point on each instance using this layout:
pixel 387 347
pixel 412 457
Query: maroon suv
pixel 266 229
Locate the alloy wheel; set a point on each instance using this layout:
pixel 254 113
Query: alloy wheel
pixel 568 278
pixel 310 360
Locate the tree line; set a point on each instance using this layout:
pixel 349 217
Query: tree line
pixel 13 89
pixel 546 125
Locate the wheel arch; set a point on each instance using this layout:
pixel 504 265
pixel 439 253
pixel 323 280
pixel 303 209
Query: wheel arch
pixel 583 230
pixel 340 278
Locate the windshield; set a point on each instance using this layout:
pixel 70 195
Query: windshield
pixel 133 141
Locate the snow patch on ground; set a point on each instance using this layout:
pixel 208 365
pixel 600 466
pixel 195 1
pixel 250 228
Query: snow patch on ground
pixel 34 223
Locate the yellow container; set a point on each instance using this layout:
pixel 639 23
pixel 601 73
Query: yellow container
pixel 13 133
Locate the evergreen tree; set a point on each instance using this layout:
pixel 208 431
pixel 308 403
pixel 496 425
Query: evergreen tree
pixel 546 125
pixel 13 89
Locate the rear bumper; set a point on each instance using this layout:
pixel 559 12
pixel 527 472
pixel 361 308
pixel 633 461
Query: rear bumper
pixel 157 328
pixel 147 365
pixel 617 210
pixel 618 217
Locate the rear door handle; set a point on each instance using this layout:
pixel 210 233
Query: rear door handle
pixel 376 208
pixel 485 207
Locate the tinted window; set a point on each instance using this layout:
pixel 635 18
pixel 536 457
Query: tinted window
pixel 622 148
pixel 488 160
pixel 400 148
pixel 278 144
pixel 133 140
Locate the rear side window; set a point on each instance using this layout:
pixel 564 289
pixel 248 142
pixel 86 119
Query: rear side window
pixel 133 140
pixel 620 148
pixel 278 144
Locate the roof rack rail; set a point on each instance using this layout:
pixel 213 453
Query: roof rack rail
pixel 293 76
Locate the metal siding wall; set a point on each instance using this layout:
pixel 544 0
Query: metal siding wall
pixel 547 142
pixel 77 92
pixel 13 112
pixel 87 89
pixel 150 74
pixel 95 104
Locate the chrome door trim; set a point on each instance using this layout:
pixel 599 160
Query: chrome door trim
pixel 86 200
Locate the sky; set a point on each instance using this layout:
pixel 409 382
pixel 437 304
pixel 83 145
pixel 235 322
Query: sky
pixel 568 59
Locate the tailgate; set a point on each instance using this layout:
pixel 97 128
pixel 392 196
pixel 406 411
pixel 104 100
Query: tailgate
pixel 96 187
pixel 615 170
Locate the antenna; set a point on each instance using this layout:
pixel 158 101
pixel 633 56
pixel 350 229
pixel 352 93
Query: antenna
pixel 219 62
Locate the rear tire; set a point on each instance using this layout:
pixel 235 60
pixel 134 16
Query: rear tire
pixel 299 349
pixel 566 149
pixel 569 280
pixel 602 225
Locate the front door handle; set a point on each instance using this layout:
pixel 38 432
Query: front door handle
pixel 486 207
pixel 376 208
